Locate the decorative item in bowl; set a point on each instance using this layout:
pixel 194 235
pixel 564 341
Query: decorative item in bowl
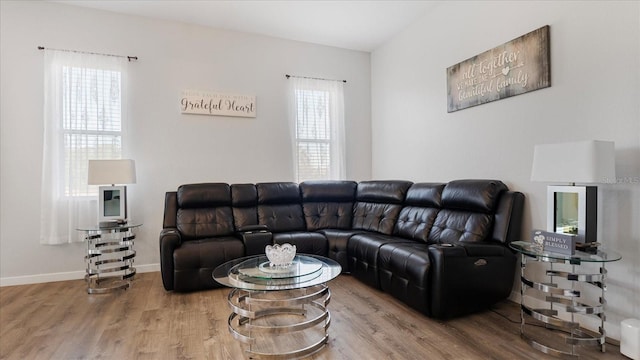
pixel 280 255
pixel 538 241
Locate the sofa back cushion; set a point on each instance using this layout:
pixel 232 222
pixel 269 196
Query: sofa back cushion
pixel 378 204
pixel 244 203
pixel 452 226
pixel 468 211
pixel 279 206
pixel 328 204
pixel 204 210
pixel 421 205
pixel 473 195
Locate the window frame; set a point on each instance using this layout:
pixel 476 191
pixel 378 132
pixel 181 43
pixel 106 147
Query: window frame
pixel 317 97
pixel 70 126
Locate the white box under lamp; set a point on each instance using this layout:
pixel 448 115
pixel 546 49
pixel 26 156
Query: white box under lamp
pixel 112 200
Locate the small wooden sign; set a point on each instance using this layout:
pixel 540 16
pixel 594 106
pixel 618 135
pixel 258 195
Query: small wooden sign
pixel 516 67
pixel 555 242
pixel 212 103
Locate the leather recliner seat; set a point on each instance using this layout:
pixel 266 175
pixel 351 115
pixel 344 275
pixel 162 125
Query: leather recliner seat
pixel 201 223
pixel 439 248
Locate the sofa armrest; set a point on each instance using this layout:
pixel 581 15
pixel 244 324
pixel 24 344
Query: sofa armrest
pixel 253 228
pixel 255 239
pixel 484 249
pixel 508 217
pixel 469 277
pixel 170 239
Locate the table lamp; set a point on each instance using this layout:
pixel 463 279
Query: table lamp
pixel 112 200
pixel 572 209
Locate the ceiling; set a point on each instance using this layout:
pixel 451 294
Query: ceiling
pixel 357 25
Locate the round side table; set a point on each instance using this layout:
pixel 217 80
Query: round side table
pixel 109 257
pixel 565 293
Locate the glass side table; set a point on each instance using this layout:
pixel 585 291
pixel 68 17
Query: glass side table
pixel 566 301
pixel 110 257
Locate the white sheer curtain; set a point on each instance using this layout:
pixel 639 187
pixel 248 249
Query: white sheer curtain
pixel 83 119
pixel 316 119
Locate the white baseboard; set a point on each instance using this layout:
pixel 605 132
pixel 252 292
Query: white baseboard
pixel 515 297
pixel 63 276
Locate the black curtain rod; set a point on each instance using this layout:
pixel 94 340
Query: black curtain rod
pixel 130 58
pixel 314 78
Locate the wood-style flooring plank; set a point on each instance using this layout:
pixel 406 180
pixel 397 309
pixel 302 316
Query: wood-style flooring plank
pixel 61 321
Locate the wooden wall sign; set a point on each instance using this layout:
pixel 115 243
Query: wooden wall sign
pixel 212 103
pixel 516 67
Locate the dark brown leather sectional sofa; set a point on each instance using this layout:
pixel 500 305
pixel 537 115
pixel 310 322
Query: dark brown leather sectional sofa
pixel 440 248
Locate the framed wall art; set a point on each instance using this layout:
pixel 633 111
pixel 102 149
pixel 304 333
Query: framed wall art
pixel 513 68
pixel 213 103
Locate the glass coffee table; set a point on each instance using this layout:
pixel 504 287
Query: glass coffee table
pixel 279 312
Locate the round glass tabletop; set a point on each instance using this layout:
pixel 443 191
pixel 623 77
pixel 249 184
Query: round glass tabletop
pixel 255 273
pixel 528 248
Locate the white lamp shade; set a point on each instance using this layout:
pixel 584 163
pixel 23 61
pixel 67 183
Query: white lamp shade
pixel 590 161
pixel 102 172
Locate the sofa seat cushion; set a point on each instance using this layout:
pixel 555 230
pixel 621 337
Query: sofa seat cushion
pixel 195 260
pixel 305 242
pixel 337 241
pixel 363 250
pixel 404 273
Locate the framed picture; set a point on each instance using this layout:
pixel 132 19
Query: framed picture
pixel 112 202
pixel 513 68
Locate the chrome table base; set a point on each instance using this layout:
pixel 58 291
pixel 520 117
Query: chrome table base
pixel 280 324
pixel 109 259
pixel 565 300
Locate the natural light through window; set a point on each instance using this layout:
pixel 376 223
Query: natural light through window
pixel 313 135
pixel 84 119
pixel 318 129
pixel 91 123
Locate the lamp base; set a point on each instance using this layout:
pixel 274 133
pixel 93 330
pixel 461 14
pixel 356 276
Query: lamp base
pixel 112 223
pixel 112 203
pixel 573 210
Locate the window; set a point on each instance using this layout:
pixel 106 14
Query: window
pixel 91 123
pixel 317 119
pixel 84 108
pixel 313 134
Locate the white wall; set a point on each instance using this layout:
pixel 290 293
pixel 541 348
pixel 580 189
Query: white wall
pixel 170 149
pixel 595 57
pixel 595 94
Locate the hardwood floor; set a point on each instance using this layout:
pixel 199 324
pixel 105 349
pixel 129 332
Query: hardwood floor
pixel 61 321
